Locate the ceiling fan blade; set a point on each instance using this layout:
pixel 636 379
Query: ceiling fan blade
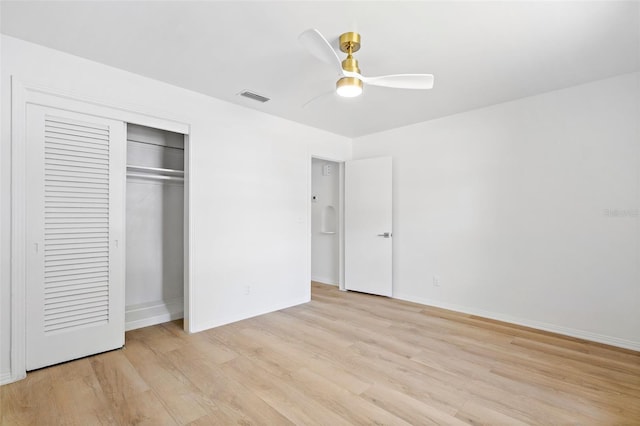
pixel 319 47
pixel 401 81
pixel 318 97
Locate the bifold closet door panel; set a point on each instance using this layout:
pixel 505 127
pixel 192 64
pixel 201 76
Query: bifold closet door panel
pixel 75 247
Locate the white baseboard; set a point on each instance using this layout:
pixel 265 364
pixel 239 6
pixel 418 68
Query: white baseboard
pixel 324 280
pixel 152 313
pixel 581 334
pixel 5 377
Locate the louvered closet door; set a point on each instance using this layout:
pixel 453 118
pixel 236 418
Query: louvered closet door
pixel 75 252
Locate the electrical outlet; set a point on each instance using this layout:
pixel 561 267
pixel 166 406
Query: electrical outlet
pixel 436 281
pixel 247 290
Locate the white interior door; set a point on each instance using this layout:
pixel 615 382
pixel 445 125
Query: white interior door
pixel 368 207
pixel 75 252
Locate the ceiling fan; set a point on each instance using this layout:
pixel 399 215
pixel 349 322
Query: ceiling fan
pixel 350 80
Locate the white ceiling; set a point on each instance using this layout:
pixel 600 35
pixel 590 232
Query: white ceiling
pixel 481 53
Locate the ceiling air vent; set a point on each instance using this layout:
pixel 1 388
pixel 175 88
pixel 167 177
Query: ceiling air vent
pixel 254 96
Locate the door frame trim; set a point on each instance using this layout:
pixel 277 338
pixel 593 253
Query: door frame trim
pixel 23 94
pixel 340 163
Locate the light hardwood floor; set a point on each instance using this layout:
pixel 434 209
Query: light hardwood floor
pixel 343 358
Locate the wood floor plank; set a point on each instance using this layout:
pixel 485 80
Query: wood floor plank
pixel 441 390
pixel 354 409
pixel 620 371
pixel 477 412
pixel 232 397
pixel 600 398
pixel 143 408
pixel 553 394
pixel 550 365
pixel 343 358
pixel 283 395
pixel 412 410
pixel 80 401
pixel 296 356
pixel 177 394
pixel 118 379
pixel 29 401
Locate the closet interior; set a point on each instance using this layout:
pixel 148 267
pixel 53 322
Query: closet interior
pixel 154 283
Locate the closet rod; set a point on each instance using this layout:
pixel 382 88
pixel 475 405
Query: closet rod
pixel 155 144
pixel 156 177
pixel 155 170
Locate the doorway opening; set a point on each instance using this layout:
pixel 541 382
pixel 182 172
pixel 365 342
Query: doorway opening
pixel 155 226
pixel 327 230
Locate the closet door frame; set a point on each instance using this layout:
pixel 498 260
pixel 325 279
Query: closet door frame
pixel 23 94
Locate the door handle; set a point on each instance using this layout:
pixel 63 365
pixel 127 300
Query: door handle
pixel 386 235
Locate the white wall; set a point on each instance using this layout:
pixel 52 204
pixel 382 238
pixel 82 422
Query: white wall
pixel 249 194
pixel 507 205
pixel 325 248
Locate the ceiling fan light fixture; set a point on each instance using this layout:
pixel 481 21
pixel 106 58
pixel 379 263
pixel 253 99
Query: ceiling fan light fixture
pixel 349 87
pixel 351 81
